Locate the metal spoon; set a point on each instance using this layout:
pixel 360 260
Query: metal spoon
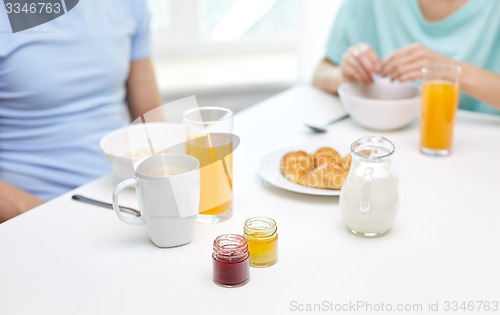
pixel 324 128
pixel 95 202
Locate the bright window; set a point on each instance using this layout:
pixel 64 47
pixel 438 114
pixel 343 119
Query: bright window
pixel 210 46
pixel 200 27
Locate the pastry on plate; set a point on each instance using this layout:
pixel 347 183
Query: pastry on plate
pixel 325 168
pixel 296 164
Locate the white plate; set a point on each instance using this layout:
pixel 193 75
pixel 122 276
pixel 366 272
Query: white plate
pixel 269 170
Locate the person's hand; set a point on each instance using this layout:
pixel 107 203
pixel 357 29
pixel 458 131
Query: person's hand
pixel 406 64
pixel 359 63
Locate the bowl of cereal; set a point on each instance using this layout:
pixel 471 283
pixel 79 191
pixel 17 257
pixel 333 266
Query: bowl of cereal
pixel 126 147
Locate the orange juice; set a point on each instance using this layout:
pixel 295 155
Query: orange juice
pixel 214 151
pixel 439 105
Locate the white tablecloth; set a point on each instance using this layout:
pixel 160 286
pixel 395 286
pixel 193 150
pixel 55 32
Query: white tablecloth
pixel 66 257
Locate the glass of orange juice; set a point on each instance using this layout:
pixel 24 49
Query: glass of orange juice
pixel 440 94
pixel 210 139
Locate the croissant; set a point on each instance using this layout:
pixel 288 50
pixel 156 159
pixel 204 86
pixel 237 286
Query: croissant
pixel 325 168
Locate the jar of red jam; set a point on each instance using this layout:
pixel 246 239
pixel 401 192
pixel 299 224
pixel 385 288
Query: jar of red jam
pixel 231 260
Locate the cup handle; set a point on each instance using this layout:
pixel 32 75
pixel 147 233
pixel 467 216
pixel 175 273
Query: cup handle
pixel 132 182
pixel 365 191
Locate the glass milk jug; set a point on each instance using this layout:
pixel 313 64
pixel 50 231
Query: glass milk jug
pixel 369 199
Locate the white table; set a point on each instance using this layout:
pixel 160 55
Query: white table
pixel 67 257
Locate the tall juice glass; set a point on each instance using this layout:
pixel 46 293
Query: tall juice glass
pixel 209 139
pixel 440 94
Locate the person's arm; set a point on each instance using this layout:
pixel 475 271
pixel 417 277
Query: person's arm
pixel 327 76
pixel 406 63
pixel 14 201
pixel 359 63
pixel 480 83
pixel 142 91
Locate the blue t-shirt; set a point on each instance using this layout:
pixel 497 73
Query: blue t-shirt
pixel 471 34
pixel 62 87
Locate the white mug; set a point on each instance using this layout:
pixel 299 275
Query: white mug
pixel 168 191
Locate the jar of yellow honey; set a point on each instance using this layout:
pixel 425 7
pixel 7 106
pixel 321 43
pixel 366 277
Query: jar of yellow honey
pixel 262 238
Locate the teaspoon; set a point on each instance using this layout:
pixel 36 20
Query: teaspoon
pixel 95 202
pixel 324 128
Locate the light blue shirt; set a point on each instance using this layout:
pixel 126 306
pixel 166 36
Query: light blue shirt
pixel 62 87
pixel 471 34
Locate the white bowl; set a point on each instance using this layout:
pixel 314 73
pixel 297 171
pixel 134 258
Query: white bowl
pixel 382 105
pixel 126 147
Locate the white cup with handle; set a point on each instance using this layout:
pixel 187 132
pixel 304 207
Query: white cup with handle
pixel 168 191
